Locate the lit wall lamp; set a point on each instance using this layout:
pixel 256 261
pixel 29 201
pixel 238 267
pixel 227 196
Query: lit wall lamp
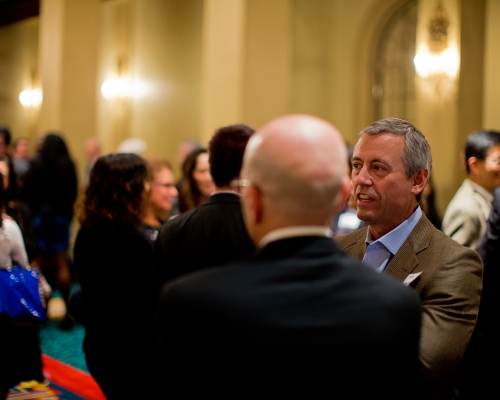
pixel 31 97
pixel 437 59
pixel 119 87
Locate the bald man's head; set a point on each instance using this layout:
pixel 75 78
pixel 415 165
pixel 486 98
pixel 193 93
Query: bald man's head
pixel 297 165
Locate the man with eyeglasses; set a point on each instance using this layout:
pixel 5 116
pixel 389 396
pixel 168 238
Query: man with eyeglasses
pixel 299 318
pixel 470 221
pixel 466 215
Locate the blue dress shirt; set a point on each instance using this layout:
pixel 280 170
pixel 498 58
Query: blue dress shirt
pixel 380 252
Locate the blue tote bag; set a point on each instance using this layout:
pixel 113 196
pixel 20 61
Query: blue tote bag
pixel 19 295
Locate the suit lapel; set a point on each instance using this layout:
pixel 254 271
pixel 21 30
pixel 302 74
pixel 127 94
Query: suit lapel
pixel 403 262
pixel 406 260
pixel 354 243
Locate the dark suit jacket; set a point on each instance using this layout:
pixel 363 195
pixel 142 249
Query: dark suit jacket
pixel 211 234
pixel 489 251
pixel 480 369
pixel 298 318
pixel 449 285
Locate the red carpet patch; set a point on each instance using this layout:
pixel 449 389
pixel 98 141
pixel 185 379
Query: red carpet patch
pixel 72 379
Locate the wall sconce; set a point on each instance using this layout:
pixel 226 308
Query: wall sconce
pixel 31 97
pixel 119 87
pixel 438 60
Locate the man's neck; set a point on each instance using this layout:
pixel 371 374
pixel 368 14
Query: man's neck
pixel 224 188
pixel 378 231
pixel 150 219
pixel 477 181
pixel 294 231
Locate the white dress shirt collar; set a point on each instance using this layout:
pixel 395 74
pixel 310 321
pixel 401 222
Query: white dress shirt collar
pixel 295 231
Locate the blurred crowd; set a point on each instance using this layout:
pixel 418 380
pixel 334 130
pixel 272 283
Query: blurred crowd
pixel 141 231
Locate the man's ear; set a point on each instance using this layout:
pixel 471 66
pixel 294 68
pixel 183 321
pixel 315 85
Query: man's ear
pixel 419 181
pixel 255 204
pixel 473 164
pixel 345 191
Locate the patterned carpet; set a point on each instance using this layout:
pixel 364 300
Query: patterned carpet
pixel 65 346
pixel 63 382
pixel 64 364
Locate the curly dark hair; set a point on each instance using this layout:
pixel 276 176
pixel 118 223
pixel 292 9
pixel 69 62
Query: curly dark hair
pixel 189 194
pixel 115 196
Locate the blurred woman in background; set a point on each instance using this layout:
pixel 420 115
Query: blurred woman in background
pixel 161 198
pixel 20 355
pixel 114 263
pixel 196 184
pixel 51 188
pixel 16 208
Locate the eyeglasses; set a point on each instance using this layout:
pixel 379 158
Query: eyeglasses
pixel 239 183
pixel 165 185
pixel 495 161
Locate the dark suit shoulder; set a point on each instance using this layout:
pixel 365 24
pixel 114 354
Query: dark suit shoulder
pixel 210 235
pixel 219 207
pixel 294 263
pixel 353 243
pixel 295 306
pixel 177 222
pixel 223 197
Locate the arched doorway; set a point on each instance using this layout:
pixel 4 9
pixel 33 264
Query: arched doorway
pixel 386 85
pixel 393 88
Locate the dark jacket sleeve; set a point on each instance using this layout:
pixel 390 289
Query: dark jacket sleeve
pixel 489 250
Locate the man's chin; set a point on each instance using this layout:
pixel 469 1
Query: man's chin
pixel 365 216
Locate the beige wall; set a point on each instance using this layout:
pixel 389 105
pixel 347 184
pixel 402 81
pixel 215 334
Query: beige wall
pixel 68 64
pixel 169 110
pixel 205 63
pixel 114 60
pixel 491 101
pixel 299 58
pixel 18 68
pixel 267 73
pixel 160 43
pixel 437 107
pixel 349 20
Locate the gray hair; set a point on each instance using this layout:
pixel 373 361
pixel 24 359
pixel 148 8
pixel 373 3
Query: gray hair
pixel 416 152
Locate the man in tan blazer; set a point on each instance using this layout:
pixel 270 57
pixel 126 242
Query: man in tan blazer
pixel 391 166
pixel 466 215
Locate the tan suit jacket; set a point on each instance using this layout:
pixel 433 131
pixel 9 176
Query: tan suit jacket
pixel 449 284
pixel 466 215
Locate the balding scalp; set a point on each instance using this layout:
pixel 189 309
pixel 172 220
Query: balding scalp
pixel 299 164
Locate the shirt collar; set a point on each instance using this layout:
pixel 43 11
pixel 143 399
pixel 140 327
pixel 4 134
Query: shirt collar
pixel 482 191
pixel 395 238
pixel 224 191
pixel 294 231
